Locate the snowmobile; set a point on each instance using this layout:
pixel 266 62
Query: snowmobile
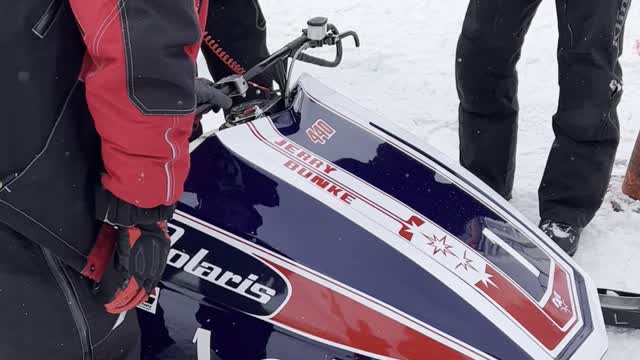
pixel 311 228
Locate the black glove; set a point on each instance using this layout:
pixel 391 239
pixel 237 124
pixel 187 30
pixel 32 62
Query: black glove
pixel 140 260
pixel 207 94
pixel 130 254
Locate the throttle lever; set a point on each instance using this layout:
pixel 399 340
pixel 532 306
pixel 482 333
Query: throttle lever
pixel 232 85
pixel 236 84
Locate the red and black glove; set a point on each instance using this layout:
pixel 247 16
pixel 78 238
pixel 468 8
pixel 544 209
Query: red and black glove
pixel 130 254
pixel 140 260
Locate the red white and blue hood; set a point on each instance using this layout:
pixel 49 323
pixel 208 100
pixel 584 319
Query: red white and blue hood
pixel 357 235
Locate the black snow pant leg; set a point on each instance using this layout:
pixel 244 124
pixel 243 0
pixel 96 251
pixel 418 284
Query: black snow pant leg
pixel 48 311
pixel 122 343
pixel 35 319
pixel 586 125
pixel 488 50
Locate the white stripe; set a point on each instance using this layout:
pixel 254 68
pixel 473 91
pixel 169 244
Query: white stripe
pixel 332 284
pixel 552 276
pixel 498 241
pixel 120 320
pixel 195 223
pixel 341 105
pixel 532 233
pixel 235 139
pixel 169 162
pixel 368 191
pixel 331 343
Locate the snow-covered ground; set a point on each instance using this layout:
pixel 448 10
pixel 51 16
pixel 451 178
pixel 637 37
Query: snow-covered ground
pixel 404 70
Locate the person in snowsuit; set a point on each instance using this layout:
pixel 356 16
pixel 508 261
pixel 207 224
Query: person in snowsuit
pixel 235 39
pixel 586 125
pixel 99 106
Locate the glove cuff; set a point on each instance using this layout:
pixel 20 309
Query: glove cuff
pixel 112 210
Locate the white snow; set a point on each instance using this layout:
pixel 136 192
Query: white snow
pixel 558 231
pixel 405 71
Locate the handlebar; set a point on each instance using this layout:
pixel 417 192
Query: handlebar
pixel 318 34
pixel 336 40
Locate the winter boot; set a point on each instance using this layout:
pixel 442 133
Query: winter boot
pixel 565 235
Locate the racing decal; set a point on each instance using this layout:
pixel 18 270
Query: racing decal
pixel 285 217
pixel 175 233
pixel 549 326
pixel 332 313
pixel 341 319
pixel 220 271
pixel 202 339
pixel 423 184
pixel 542 320
pixel 151 304
pixel 320 132
pixel 321 181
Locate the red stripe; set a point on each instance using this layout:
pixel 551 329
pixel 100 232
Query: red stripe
pixel 560 280
pixel 526 312
pixel 330 280
pixel 324 313
pixel 560 304
pixel 508 296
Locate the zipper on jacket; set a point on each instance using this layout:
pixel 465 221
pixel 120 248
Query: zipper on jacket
pixel 74 306
pixel 5 181
pixel 41 28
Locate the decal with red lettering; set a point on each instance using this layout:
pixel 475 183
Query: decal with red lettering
pixel 320 132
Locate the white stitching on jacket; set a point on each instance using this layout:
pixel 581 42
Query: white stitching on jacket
pixel 53 130
pixel 103 28
pixel 168 168
pixel 44 227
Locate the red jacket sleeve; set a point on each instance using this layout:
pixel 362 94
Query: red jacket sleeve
pixel 139 75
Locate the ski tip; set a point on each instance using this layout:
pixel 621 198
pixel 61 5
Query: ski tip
pixel 620 308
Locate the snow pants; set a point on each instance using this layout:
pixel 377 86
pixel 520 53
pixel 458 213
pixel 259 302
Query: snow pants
pixel 48 311
pixel 586 124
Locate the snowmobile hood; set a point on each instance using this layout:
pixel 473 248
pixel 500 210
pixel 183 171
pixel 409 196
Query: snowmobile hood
pixel 328 221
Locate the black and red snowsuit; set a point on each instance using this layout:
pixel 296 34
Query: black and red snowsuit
pixel 95 94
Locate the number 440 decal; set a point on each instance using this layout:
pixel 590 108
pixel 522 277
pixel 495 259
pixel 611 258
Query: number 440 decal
pixel 320 132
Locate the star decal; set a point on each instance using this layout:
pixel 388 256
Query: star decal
pixel 465 263
pixel 485 278
pixel 440 245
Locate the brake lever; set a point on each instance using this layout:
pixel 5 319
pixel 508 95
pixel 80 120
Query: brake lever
pixel 318 33
pixel 232 86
